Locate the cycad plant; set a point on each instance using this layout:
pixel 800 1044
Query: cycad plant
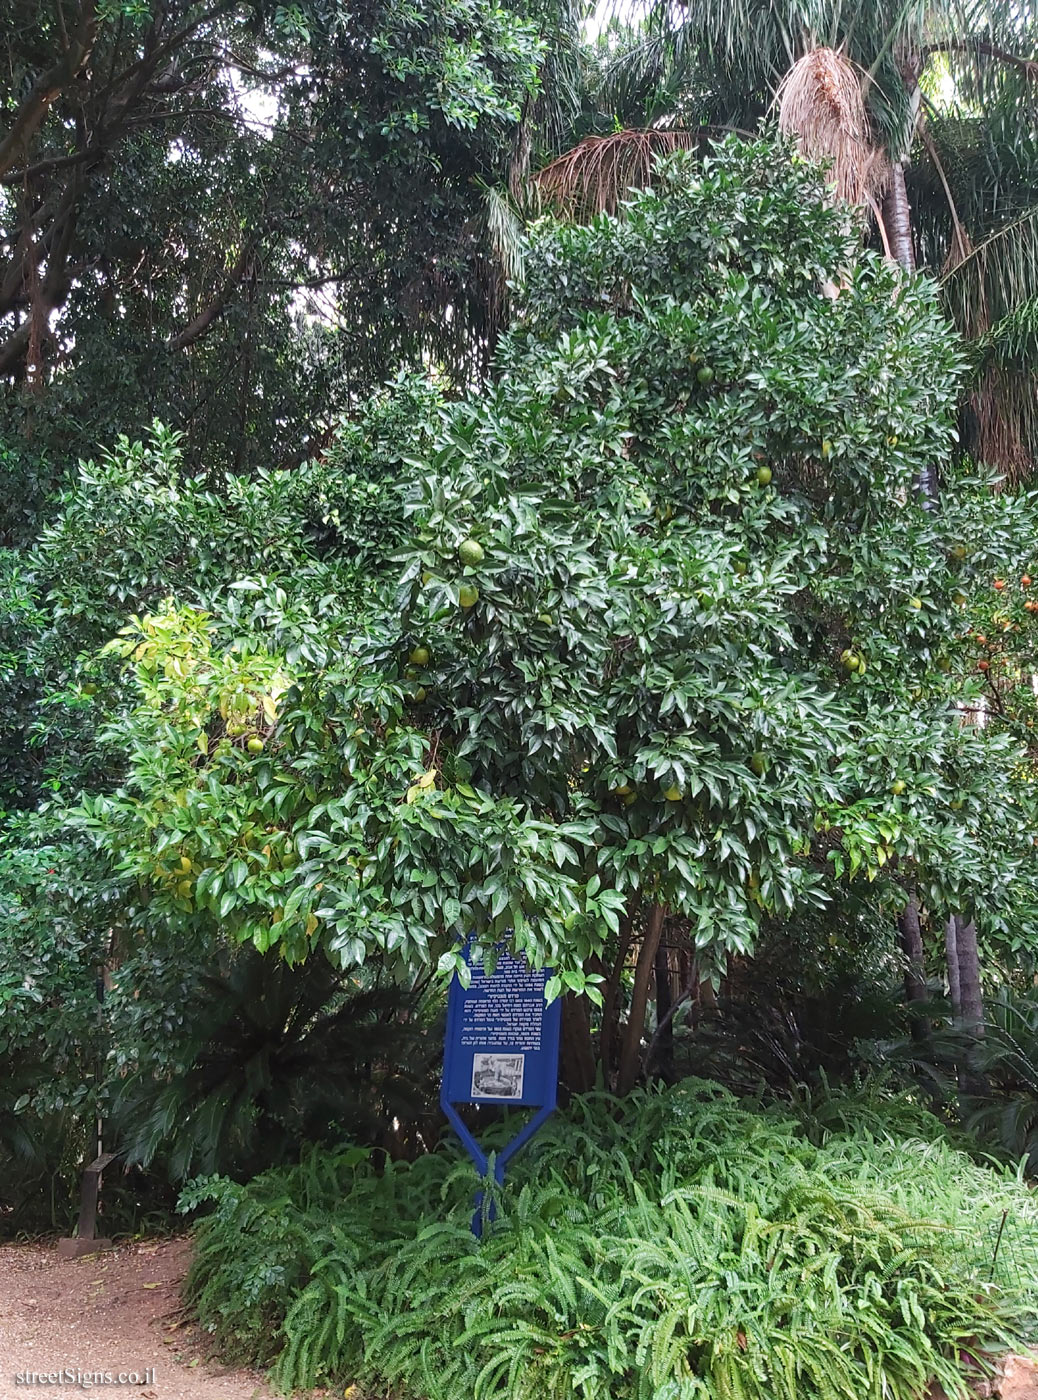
pixel 277 1055
pixel 1004 1118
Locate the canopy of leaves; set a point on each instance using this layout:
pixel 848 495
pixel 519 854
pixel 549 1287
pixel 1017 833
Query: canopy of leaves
pixel 230 216
pixel 665 622
pixel 949 85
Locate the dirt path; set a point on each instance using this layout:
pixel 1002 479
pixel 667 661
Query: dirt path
pixel 114 1312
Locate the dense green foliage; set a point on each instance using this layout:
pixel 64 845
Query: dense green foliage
pixel 703 654
pixel 613 623
pixel 678 1245
pixel 943 149
pixel 234 217
pixel 653 622
pixel 53 942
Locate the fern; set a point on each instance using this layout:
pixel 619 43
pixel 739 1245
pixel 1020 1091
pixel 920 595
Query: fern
pixel 676 1246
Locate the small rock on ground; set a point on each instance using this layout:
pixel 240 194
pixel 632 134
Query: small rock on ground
pixel 1017 1379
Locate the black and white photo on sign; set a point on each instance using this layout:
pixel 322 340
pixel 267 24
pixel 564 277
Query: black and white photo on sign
pixel 497 1076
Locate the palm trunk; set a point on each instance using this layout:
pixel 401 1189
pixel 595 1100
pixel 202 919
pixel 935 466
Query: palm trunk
pixel 897 221
pixel 897 217
pixel 951 962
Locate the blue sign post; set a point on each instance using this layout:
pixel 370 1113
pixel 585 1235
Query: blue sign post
pixel 502 1046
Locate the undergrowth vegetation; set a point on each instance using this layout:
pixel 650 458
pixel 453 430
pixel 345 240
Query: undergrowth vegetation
pixel 677 1245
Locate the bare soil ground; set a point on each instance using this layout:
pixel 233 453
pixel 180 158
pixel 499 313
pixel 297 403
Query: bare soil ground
pixel 117 1312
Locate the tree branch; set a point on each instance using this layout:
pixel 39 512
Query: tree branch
pixel 12 352
pixel 150 60
pixel 47 87
pixel 45 167
pixel 202 323
pixel 53 215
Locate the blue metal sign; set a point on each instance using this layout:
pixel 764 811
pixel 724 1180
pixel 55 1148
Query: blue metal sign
pixel 502 1047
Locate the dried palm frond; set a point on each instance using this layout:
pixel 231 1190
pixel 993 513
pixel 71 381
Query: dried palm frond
pixel 820 103
pixel 996 424
pixel 991 292
pixel 601 171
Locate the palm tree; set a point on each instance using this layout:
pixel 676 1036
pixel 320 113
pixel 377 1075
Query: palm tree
pixel 928 113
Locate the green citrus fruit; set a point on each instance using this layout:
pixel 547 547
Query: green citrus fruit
pixel 623 790
pixel 764 476
pixel 185 888
pixel 705 374
pixel 897 787
pixel 630 798
pixel 255 745
pixel 468 595
pixel 470 552
pixel 827 448
pixel 673 793
pixel 740 566
pixel 419 694
pixel 758 763
pixel 419 657
pixel 915 603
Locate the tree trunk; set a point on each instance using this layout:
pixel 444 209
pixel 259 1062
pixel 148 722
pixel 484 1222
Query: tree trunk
pixel 971 1019
pixel 897 216
pixel 897 221
pixel 611 993
pixel 630 1054
pixel 578 1057
pixel 664 1019
pixel 915 970
pixel 970 996
pixel 951 960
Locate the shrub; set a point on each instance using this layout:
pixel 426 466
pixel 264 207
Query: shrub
pixel 675 1246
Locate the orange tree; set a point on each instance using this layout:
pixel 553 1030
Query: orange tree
pixel 666 632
